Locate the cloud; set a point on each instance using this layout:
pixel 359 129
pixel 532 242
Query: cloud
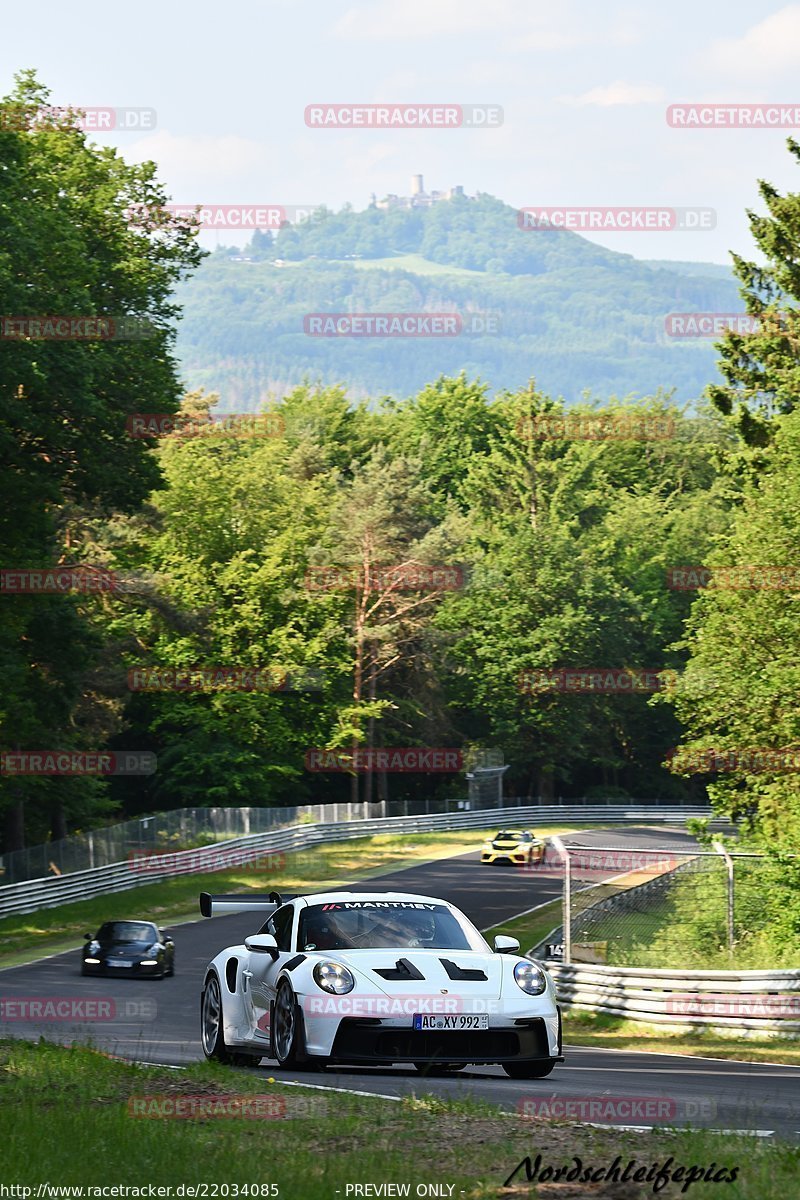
pixel 189 156
pixel 384 20
pixel 772 46
pixel 615 94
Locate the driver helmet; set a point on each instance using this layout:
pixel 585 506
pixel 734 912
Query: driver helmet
pixel 423 926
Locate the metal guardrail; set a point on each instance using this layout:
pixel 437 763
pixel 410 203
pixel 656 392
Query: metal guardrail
pixel 730 1001
pixel 50 891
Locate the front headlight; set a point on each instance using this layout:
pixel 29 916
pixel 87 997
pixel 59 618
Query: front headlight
pixel 530 978
pixel 93 947
pixel 333 977
pixel 153 952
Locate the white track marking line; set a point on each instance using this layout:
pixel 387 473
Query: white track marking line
pixel 322 1087
pixel 681 1129
pixel 744 1062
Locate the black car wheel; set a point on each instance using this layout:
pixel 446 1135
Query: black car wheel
pixel 285 1034
pixel 171 970
pixel 529 1070
pixel 212 1033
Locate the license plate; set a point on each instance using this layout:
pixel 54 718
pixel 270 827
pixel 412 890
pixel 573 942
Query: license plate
pixel 439 1021
pixel 118 962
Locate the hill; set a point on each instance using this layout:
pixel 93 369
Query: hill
pixel 570 313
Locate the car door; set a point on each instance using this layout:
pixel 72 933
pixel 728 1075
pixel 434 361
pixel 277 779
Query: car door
pixel 264 969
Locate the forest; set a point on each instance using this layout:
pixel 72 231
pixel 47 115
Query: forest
pixel 463 569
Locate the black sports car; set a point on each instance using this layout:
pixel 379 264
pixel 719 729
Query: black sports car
pixel 131 947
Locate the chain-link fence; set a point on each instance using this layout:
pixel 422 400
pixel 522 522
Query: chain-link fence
pixel 186 828
pixel 669 907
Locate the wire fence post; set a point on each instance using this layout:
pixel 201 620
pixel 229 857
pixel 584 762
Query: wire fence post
pixel 566 902
pixel 720 849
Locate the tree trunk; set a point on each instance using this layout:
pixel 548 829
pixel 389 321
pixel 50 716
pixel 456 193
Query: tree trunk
pixel 370 732
pixel 14 838
pixel 546 785
pixel 58 823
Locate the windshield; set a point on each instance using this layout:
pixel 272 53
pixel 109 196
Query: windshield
pixel 382 924
pixel 509 835
pixel 126 931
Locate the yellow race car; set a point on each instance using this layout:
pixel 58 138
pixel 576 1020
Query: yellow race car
pixel 517 846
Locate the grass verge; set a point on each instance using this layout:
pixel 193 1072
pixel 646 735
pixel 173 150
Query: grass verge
pixel 68 1119
pixel 530 928
pixel 618 1033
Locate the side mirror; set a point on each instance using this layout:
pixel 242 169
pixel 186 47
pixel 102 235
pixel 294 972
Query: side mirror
pixel 88 937
pixel 262 943
pixel 505 945
pixel 163 935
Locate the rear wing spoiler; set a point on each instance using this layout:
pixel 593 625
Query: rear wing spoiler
pixel 216 906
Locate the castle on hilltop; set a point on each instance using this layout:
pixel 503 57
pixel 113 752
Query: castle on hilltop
pixel 419 198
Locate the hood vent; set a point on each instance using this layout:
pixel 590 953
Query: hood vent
pixel 403 969
pixel 456 972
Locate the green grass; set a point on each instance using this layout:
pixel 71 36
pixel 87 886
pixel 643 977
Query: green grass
pixel 66 1119
pixel 410 262
pixel 619 1033
pixel 530 928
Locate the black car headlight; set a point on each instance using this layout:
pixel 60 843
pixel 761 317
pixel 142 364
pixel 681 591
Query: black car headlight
pixel 530 978
pixel 333 977
pixel 153 952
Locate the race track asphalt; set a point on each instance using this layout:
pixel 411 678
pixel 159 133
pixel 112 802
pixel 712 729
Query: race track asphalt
pixel 158 1021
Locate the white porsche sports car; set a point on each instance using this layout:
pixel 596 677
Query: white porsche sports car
pixel 375 979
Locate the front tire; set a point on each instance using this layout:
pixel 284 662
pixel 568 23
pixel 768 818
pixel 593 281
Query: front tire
pixel 212 1033
pixel 529 1070
pixel 286 1034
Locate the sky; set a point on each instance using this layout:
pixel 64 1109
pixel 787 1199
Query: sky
pixel 584 89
